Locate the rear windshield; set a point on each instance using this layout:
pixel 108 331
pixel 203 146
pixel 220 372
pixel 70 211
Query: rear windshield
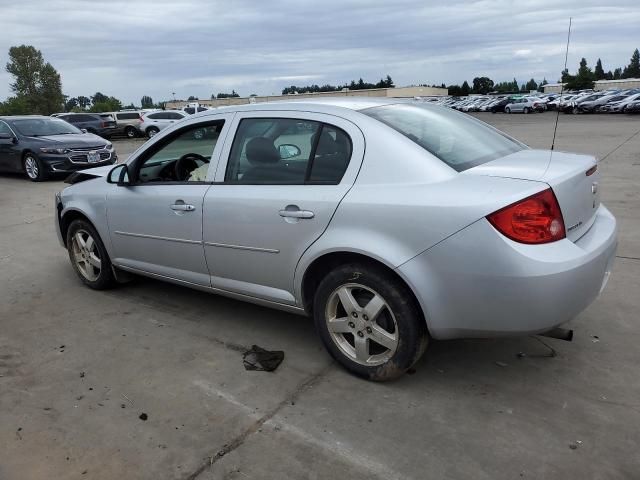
pixel 457 139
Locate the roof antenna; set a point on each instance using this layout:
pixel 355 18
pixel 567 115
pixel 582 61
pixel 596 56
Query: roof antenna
pixel 566 55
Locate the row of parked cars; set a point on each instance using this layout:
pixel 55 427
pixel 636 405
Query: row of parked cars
pixel 130 123
pixel 586 101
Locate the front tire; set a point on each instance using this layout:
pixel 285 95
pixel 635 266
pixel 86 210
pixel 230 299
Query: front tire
pixel 508 110
pixel 34 168
pixel 369 322
pixel 526 110
pixel 130 132
pixel 88 256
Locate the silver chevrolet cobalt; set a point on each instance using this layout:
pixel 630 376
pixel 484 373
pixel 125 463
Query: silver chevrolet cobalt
pixel 390 222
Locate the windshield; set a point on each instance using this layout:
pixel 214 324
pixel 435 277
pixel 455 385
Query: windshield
pixel 457 139
pixel 39 127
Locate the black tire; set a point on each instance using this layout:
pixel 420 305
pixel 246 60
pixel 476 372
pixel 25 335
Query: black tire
pixel 151 131
pixel 409 327
pixel 105 278
pixel 507 110
pixel 130 132
pixel 33 168
pixel 526 110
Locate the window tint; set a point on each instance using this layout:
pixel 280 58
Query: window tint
pixel 156 116
pixel 127 116
pixel 4 129
pixel 174 116
pixel 183 156
pixel 457 139
pixel 332 155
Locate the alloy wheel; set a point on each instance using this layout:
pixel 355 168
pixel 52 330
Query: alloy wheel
pixel 31 167
pixel 86 255
pixel 361 324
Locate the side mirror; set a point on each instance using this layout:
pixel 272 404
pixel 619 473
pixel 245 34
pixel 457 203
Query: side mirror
pixel 288 151
pixel 83 130
pixel 119 175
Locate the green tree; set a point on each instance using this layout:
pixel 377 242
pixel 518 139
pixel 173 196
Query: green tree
pixel 608 75
pixel 482 85
pixel 599 71
pixel 584 79
pixel 37 84
pixel 465 89
pixel 542 84
pixel 83 102
pixel 191 98
pixel 454 90
pixel 531 85
pixel 146 101
pixel 617 73
pixel 633 69
pixel 103 103
pixel 14 106
pixel 99 98
pixel 50 97
pixel 70 104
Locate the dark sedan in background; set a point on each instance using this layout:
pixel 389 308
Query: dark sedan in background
pixel 40 146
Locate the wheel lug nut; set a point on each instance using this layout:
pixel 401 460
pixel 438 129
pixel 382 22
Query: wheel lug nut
pixel 368 329
pixel 355 314
pixel 352 325
pixel 360 334
pixel 365 318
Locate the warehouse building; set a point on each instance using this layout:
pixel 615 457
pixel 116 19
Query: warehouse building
pixel 398 92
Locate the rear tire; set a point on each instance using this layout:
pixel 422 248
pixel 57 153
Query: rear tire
pixel 152 131
pixel 34 168
pixel 369 322
pixel 88 256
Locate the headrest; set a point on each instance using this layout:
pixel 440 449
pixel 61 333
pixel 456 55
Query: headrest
pixel 261 150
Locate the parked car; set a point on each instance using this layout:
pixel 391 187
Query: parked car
pixel 128 122
pixel 39 146
pixel 523 104
pixel 153 122
pixel 192 110
pixel 466 233
pixel 499 105
pixel 633 107
pixel 619 105
pixel 593 105
pixel 91 122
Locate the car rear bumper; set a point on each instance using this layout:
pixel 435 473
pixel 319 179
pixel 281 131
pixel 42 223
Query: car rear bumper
pixel 478 283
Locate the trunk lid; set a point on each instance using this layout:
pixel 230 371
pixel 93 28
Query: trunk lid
pixel 571 176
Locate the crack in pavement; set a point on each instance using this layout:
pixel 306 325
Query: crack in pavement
pixel 627 258
pixel 253 428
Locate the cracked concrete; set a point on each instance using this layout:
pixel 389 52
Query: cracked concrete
pixel 78 368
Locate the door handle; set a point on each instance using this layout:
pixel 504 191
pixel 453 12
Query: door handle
pixel 296 214
pixel 182 207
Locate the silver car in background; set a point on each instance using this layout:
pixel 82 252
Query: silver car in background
pixel 152 122
pixel 389 222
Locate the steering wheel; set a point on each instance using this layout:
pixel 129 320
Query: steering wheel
pixel 186 164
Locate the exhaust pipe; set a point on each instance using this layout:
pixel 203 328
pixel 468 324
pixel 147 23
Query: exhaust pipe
pixel 559 333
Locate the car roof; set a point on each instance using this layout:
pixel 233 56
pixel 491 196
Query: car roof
pixel 23 117
pixel 329 105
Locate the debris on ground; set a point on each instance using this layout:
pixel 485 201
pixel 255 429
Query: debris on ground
pixel 262 360
pixel 502 364
pixel 575 445
pixel 81 374
pixel 595 338
pixel 143 417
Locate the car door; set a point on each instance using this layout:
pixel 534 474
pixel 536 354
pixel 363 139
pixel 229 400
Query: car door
pixel 10 160
pixel 155 223
pixel 280 179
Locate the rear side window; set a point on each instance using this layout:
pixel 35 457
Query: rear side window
pixel 127 116
pixel 174 116
pixel 457 139
pixel 283 151
pixel 156 116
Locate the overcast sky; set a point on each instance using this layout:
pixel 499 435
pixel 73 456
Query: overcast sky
pixel 156 47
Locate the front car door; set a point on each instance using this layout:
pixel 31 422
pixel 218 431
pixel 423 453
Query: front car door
pixel 284 176
pixel 10 160
pixel 155 224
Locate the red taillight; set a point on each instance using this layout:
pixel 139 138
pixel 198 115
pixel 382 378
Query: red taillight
pixel 104 124
pixel 536 219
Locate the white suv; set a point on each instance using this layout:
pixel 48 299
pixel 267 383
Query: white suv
pixel 153 122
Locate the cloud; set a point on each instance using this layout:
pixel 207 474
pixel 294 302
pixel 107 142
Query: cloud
pixel 156 47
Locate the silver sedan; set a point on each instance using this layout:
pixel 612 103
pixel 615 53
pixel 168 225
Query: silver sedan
pixel 389 222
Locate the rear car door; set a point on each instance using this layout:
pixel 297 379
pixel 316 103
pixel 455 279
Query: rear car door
pixel 284 176
pixel 155 223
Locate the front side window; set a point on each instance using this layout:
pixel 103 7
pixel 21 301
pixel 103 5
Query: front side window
pixel 284 151
pixel 183 156
pixel 457 139
pixel 4 129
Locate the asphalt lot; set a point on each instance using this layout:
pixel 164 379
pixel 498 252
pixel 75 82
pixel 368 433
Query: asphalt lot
pixel 78 368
